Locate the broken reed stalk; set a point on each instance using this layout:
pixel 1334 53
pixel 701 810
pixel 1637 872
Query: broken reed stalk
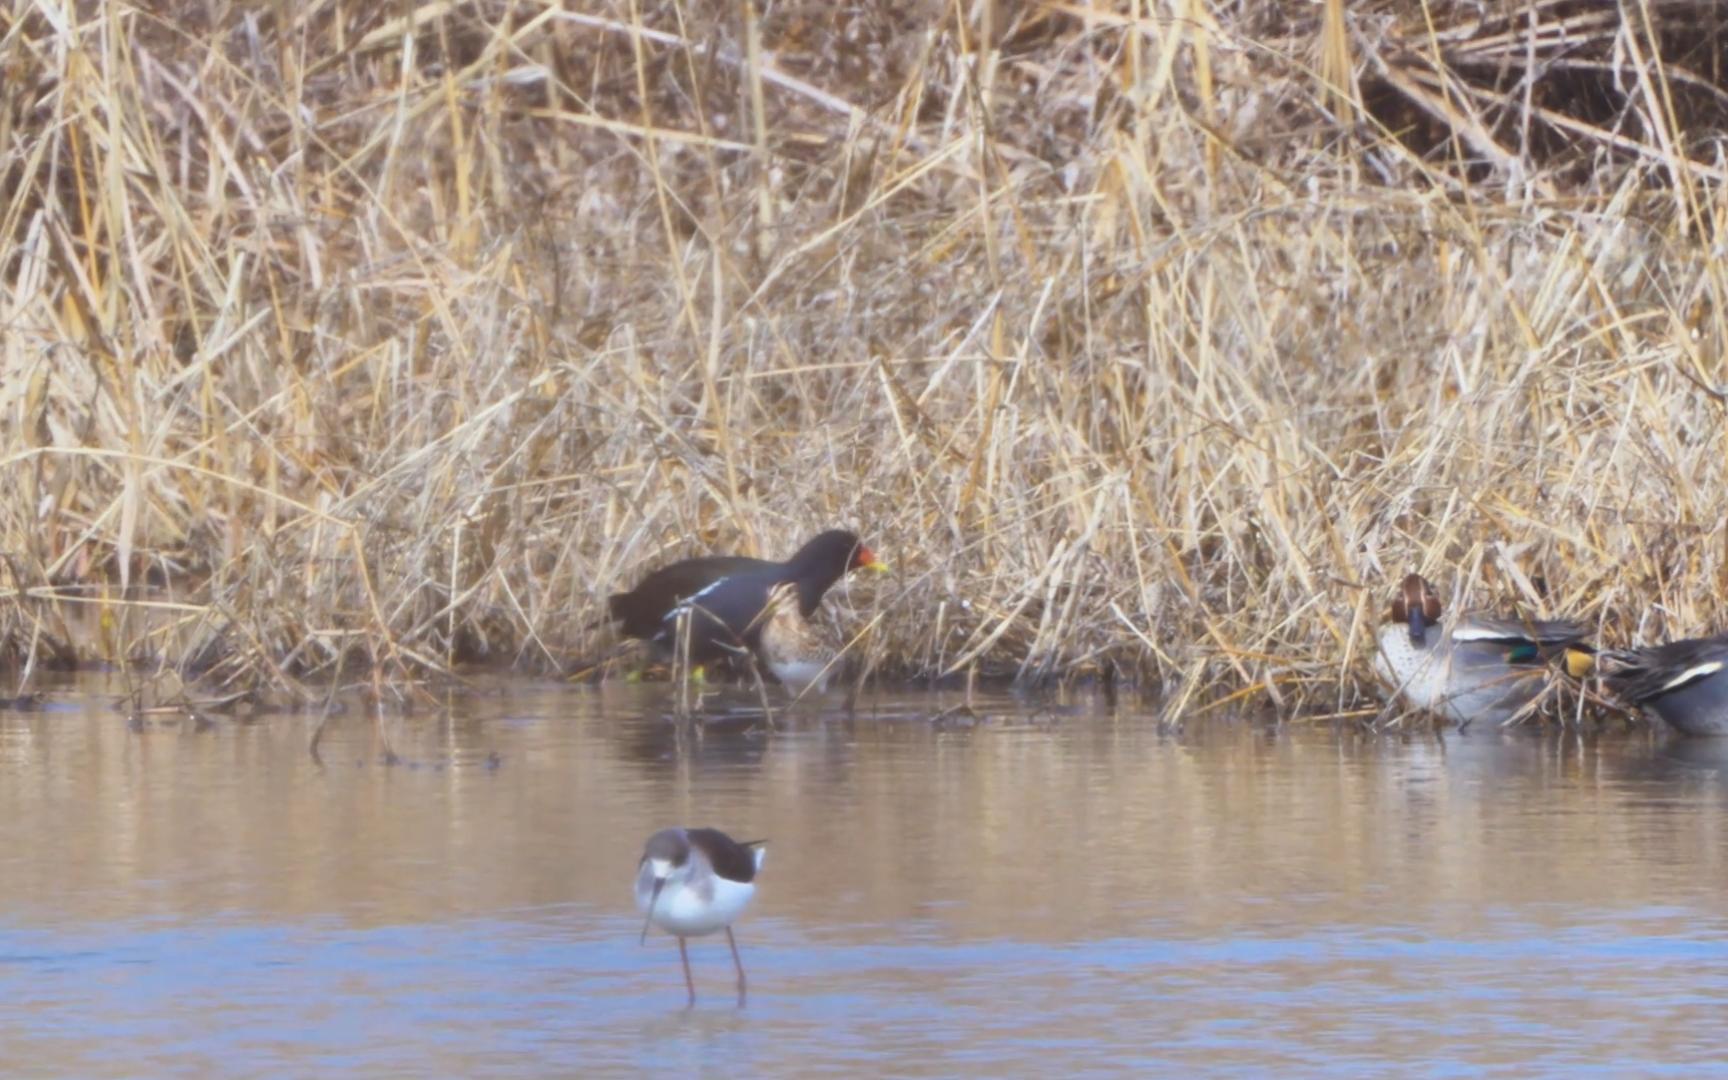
pixel 1148 341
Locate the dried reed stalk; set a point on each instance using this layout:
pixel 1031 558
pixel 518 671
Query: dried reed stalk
pixel 1149 340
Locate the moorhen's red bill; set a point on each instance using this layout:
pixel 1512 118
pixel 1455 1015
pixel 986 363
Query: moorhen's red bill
pixel 725 595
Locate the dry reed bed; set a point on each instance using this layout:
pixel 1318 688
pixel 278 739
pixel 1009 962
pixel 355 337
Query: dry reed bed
pixel 1152 339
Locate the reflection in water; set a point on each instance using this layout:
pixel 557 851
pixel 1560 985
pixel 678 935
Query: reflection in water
pixel 1045 889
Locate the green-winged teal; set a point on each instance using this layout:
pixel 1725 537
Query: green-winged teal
pixel 1683 682
pixel 1473 667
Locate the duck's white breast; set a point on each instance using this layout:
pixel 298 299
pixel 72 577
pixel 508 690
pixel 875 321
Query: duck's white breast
pixel 1418 672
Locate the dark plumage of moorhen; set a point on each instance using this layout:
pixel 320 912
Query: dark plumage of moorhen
pixel 725 598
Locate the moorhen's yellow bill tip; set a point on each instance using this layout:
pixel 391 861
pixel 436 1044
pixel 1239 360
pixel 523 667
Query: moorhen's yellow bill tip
pixel 869 560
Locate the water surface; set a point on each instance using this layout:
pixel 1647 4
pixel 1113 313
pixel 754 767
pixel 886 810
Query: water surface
pixel 1058 888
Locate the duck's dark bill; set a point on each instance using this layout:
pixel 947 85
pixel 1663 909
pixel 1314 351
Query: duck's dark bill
pixel 1418 625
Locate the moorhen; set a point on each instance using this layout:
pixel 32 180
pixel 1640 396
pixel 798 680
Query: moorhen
pixel 724 599
pixel 1470 668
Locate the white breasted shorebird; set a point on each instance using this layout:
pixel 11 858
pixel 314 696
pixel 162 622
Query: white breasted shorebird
pixel 1684 682
pixel 693 882
pixel 1472 667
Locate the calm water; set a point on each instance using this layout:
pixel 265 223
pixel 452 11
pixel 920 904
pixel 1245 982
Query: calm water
pixel 1065 890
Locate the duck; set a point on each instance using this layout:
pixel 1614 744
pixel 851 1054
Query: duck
pixel 720 602
pixel 691 882
pixel 1684 683
pixel 1473 667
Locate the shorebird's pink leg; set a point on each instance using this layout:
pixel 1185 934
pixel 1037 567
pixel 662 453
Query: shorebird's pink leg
pixel 737 963
pixel 689 983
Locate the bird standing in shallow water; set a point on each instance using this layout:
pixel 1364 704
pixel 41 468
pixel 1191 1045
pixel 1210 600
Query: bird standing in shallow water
pixel 799 653
pixel 1472 667
pixel 650 610
pixel 700 610
pixel 693 882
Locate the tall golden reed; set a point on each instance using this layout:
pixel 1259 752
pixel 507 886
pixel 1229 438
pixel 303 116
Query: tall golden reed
pixel 1151 338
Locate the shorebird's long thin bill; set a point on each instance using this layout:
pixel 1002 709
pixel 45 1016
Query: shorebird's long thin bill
pixel 648 919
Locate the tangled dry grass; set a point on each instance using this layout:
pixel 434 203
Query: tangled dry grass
pixel 1151 339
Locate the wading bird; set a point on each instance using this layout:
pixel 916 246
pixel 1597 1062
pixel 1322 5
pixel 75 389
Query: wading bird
pixel 693 882
pixel 706 609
